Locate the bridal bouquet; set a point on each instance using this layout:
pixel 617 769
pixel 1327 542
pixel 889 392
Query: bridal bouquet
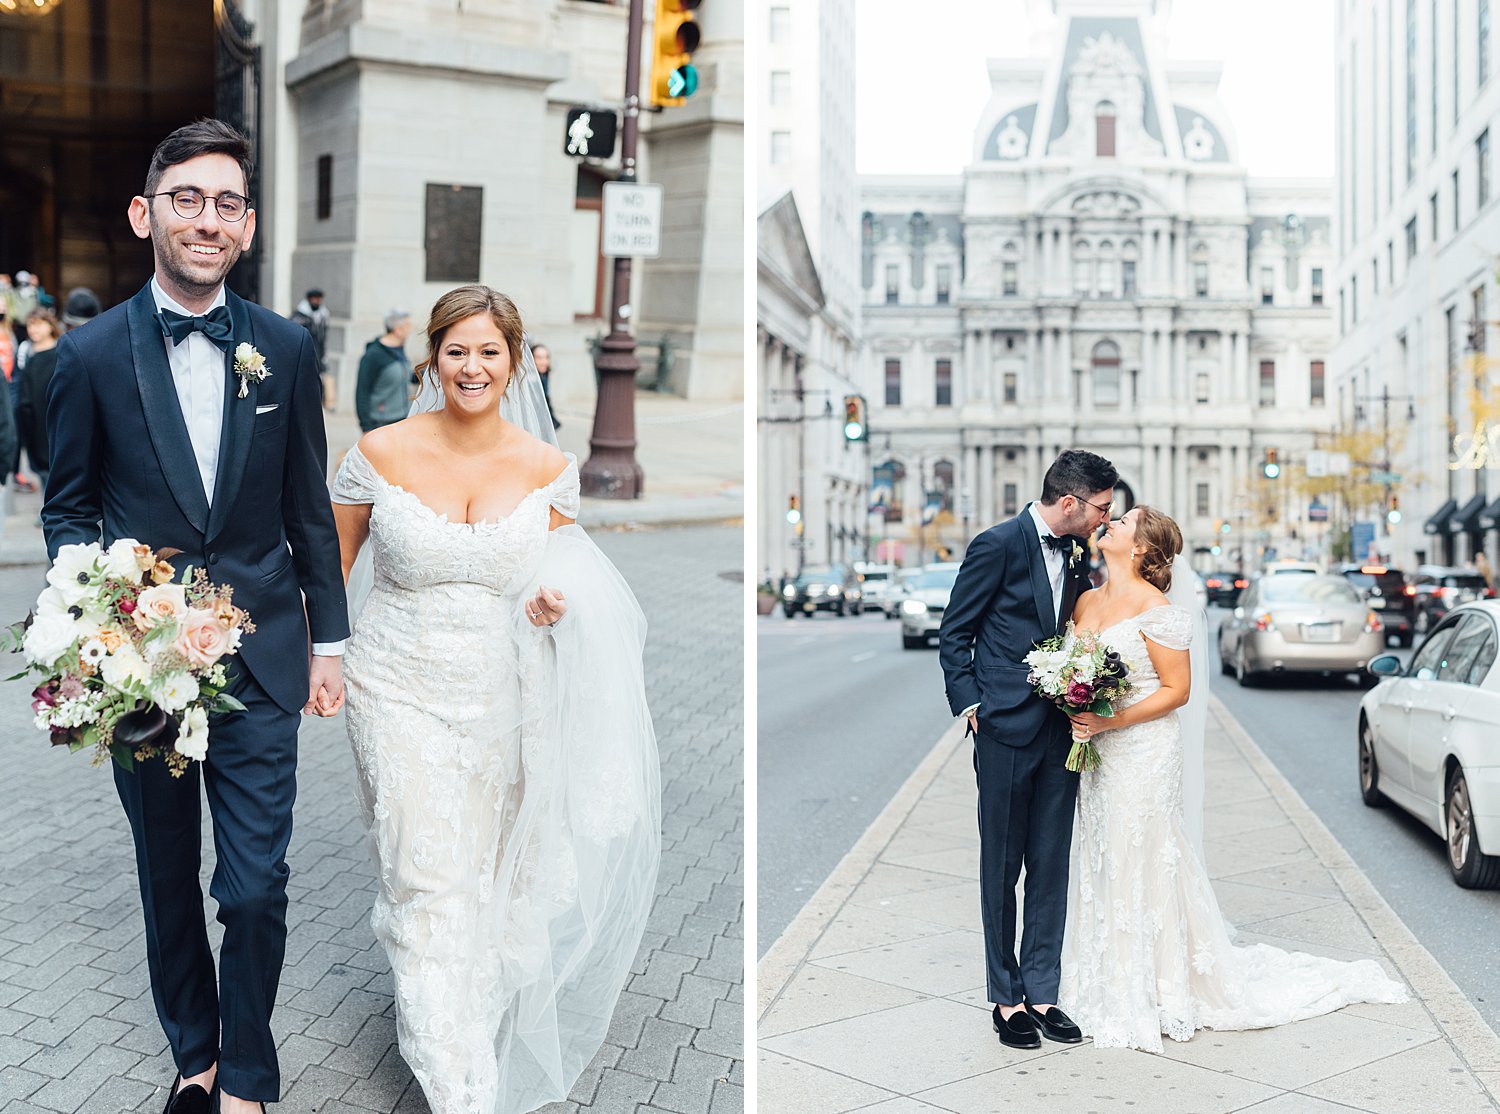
pixel 1075 672
pixel 130 663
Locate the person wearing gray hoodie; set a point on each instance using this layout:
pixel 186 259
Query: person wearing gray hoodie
pixel 381 394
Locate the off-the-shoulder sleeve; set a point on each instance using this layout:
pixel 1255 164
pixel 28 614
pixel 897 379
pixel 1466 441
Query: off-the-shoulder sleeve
pixel 563 492
pixel 357 481
pixel 1168 626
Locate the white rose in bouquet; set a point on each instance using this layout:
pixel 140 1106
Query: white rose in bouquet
pixel 174 692
pixel 192 741
pixel 120 561
pixel 126 670
pixel 51 636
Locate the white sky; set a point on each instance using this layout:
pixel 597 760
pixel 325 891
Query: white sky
pixel 921 79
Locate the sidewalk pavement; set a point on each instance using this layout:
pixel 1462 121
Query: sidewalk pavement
pixel 692 454
pixel 873 999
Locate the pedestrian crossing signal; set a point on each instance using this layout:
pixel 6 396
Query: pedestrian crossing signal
pixel 675 36
pixel 854 419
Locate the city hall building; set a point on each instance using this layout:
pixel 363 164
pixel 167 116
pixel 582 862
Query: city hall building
pixel 1103 274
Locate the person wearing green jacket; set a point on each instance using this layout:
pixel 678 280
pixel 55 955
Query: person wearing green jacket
pixel 381 395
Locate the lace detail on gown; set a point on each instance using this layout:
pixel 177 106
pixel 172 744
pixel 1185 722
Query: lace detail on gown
pixel 1146 951
pixel 489 884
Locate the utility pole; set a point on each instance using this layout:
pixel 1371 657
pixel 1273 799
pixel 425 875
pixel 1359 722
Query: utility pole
pixel 1385 398
pixel 612 471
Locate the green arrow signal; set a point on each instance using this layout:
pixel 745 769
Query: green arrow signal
pixel 682 81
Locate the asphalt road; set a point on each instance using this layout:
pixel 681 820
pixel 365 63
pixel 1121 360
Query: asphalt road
pixel 1307 727
pixel 845 716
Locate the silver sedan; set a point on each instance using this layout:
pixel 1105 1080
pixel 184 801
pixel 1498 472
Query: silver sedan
pixel 1299 623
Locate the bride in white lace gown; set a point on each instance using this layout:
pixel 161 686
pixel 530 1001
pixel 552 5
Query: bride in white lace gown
pixel 1146 951
pixel 507 764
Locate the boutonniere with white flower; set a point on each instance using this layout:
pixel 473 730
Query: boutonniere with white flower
pixel 1075 555
pixel 249 365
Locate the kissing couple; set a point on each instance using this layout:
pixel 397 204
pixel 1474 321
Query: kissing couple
pixel 1122 938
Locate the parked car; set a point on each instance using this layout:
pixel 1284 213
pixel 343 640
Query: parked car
pixel 1299 624
pixel 830 588
pixel 1385 589
pixel 923 603
pixel 1224 587
pixel 1273 568
pixel 1439 589
pixel 875 584
pixel 1427 739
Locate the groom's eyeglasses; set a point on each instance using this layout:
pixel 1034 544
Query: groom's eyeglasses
pixel 1106 510
pixel 188 203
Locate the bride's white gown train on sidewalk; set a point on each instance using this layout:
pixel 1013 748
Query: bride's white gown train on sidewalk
pixel 1146 950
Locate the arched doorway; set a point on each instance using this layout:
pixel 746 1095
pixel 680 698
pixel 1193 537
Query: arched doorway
pixel 87 90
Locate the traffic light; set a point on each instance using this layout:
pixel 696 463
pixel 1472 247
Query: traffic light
pixel 1270 465
pixel 855 428
pixel 675 36
pixel 1393 515
pixel 793 511
pixel 1224 526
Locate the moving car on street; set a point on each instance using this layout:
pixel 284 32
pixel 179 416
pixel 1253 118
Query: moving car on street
pixel 1385 589
pixel 923 603
pixel 1299 624
pixel 1274 568
pixel 1427 739
pixel 1439 589
pixel 1224 587
pixel 829 588
pixel 876 582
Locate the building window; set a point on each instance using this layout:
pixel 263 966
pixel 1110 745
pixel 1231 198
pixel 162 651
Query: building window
pixel 1353 299
pixel 892 284
pixel 1432 79
pixel 781 148
pixel 944 284
pixel 1375 275
pixel 1432 204
pixel 1200 280
pixel 1107 288
pixel 942 374
pixel 1127 277
pixel 1477 329
pixel 1318 393
pixel 943 481
pixel 1200 387
pixel 1268 382
pixel 885 491
pixel 1009 388
pixel 1104 130
pixel 781 86
pixel 1457 198
pixel 325 186
pixel 1411 88
pixel 1106 374
pixel 1012 499
pixel 1201 501
pixel 1267 286
pixel 1008 279
pixel 893 382
pixel 1484 41
pixel 1317 286
pixel 781 24
pixel 1482 164
pixel 1411 239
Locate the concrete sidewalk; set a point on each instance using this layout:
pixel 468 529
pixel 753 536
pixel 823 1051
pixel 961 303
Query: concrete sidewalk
pixel 692 454
pixel 874 998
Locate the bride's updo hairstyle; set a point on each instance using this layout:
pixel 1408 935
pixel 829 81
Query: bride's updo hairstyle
pixel 1157 541
pixel 463 302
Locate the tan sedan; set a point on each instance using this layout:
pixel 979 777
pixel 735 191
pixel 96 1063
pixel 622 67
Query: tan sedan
pixel 1299 623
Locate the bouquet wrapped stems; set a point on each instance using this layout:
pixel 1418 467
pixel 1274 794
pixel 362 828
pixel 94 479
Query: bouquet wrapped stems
pixel 1084 755
pixel 1077 673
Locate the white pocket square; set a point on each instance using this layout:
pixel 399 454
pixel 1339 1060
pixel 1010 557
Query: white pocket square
pixel 266 409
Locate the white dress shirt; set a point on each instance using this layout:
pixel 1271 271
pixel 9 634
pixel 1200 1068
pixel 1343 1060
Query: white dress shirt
pixel 198 374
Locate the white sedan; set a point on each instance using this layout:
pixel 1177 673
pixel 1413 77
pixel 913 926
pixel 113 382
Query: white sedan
pixel 1427 739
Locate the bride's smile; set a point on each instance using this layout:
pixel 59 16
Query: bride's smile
pixel 474 365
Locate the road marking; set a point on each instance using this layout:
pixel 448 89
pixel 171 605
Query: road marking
pixel 866 656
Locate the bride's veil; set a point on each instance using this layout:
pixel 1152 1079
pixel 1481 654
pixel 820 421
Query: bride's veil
pixel 523 404
pixel 1192 717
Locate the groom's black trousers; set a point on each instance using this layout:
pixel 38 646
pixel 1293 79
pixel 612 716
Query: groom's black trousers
pixel 1026 800
pixel 250 778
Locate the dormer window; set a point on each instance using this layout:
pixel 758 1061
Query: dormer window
pixel 1104 130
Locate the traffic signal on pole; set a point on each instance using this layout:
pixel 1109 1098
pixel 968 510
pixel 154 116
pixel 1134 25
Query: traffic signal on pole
pixel 1270 466
pixel 1393 515
pixel 855 428
pixel 793 511
pixel 676 35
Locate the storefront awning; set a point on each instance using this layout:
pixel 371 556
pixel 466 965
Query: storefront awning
pixel 1466 521
pixel 1438 523
pixel 1489 518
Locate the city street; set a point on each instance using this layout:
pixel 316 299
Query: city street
pixel 820 790
pixel 77 1027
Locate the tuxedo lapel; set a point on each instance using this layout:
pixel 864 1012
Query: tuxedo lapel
pixel 1041 590
pixel 163 409
pixel 239 421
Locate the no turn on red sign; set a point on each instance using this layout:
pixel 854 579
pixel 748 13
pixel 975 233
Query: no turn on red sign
pixel 632 219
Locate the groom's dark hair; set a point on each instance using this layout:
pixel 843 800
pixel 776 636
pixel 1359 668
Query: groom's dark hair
pixel 202 137
pixel 1077 472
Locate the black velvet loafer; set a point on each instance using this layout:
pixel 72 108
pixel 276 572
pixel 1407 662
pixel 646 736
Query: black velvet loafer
pixel 1056 1025
pixel 1017 1030
pixel 191 1099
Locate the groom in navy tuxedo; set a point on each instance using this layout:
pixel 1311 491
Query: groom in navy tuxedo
pixel 156 434
pixel 1017 586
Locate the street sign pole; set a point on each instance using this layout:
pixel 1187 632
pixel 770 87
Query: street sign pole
pixel 612 471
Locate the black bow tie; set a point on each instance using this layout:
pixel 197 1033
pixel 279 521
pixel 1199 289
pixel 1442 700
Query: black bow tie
pixel 1058 545
pixel 215 325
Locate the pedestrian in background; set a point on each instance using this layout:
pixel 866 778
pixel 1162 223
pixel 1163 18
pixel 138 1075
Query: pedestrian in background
pixel 21 299
pixel 543 357
pixel 311 315
pixel 43 331
pixel 1482 563
pixel 81 306
pixel 381 394
pixel 12 356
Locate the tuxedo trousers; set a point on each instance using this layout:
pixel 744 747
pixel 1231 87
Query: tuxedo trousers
pixel 250 781
pixel 1026 799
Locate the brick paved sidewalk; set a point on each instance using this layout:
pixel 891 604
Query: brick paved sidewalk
pixel 77 1028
